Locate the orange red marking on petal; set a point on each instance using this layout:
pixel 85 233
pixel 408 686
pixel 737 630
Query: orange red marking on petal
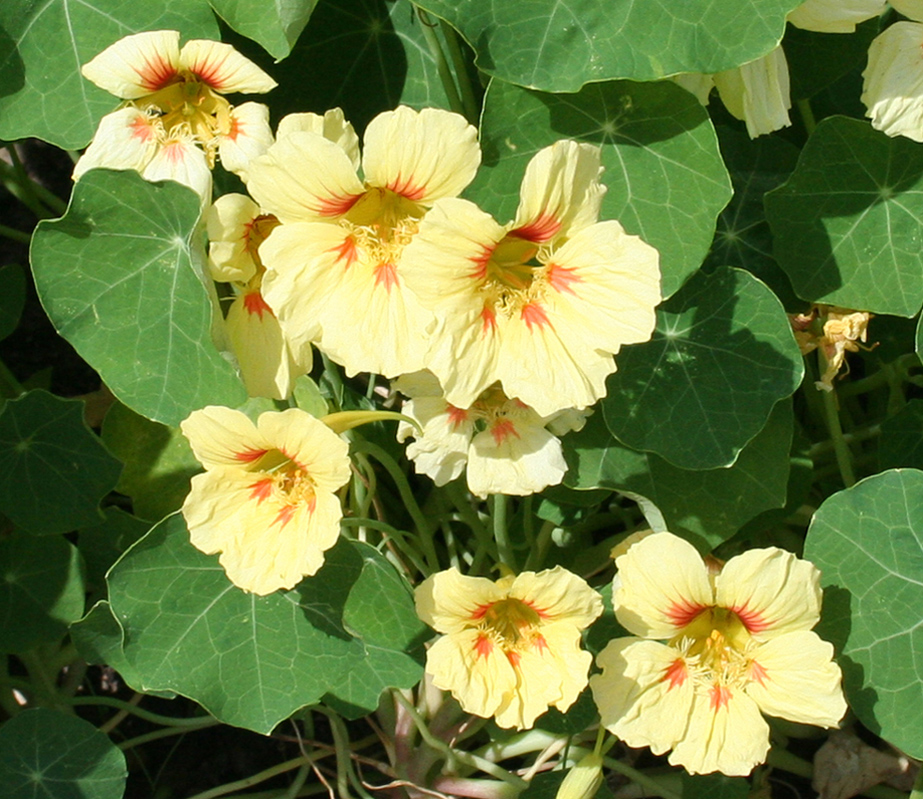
pixel 407 188
pixel 255 304
pixel 261 489
pixel 386 275
pixel 250 455
pixel 503 429
pixel 534 315
pixel 156 73
pixel 752 619
pixel 560 278
pixel 337 206
pixel 457 416
pixel 483 646
pixel 758 673
pixel 676 673
pixel 719 696
pixel 346 250
pixel 488 320
pixel 683 612
pixel 543 228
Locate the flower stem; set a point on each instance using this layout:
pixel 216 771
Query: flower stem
pixel 442 66
pixel 166 732
pixel 807 115
pixel 254 779
pixel 461 71
pixel 652 785
pixel 15 235
pixel 498 504
pixel 840 447
pixel 141 713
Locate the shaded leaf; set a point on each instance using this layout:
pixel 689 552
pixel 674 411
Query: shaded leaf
pixel 43 45
pixel 664 175
pixel 102 545
pixel 721 357
pixel 117 277
pixel 714 786
pixel 558 45
pixel 53 470
pixel 705 506
pixel 41 591
pixel 846 225
pixel 12 297
pixel 901 442
pixel 868 543
pixel 46 753
pixel 276 26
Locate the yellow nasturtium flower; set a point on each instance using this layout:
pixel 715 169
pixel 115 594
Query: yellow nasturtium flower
pixel 892 88
pixel 712 652
pixel 509 648
pixel 266 501
pixel 541 304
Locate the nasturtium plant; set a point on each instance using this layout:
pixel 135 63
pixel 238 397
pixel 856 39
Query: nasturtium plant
pixel 464 399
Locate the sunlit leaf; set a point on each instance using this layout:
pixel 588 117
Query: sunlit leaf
pixel 276 25
pixel 46 753
pixel 846 225
pixel 868 543
pixel 43 45
pixel 53 470
pixel 558 45
pixel 117 276
pixel 706 506
pixel 663 171
pixel 722 356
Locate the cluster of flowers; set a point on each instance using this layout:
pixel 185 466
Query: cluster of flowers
pixel 502 336
pixel 758 93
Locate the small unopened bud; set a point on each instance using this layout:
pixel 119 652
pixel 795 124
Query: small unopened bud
pixel 583 780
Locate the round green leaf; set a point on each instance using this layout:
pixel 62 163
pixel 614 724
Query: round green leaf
pixel 705 506
pixel 868 543
pixel 45 753
pixel 43 45
pixel 117 276
pixel 276 26
pixel 721 357
pixel 12 297
pixel 846 225
pixel 664 175
pixel 41 590
pixel 559 45
pixel 53 470
pixel 102 545
pixel 253 661
pixel 158 461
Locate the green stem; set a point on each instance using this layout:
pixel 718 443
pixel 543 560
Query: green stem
pixel 639 777
pixel 537 553
pixel 498 506
pixel 397 536
pixel 461 71
pixel 141 713
pixel 843 455
pixel 44 682
pixel 469 515
pixel 807 115
pixel 298 782
pixel 917 792
pixel 442 66
pixel 15 235
pixel 343 750
pixel 423 526
pixel 855 437
pixel 36 196
pixel 255 779
pixel 166 732
pixel 451 754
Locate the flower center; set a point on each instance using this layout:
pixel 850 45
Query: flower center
pixel 282 479
pixel 511 622
pixel 715 646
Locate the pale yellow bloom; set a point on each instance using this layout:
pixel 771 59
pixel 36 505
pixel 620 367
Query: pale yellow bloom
pixel 176 95
pixel 841 332
pixel 835 16
pixel 268 365
pixel 510 648
pixel 335 272
pixel 715 650
pixel 583 780
pixel 542 304
pixel 758 93
pixel 266 501
pixel 507 447
pixel 912 9
pixel 892 88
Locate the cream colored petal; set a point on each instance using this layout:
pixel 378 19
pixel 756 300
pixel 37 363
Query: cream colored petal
pixel 421 155
pixel 213 505
pixel 732 739
pixel 304 177
pixel 221 436
pixel 224 69
pixel 267 365
pixel 758 93
pixel 514 457
pixel 771 590
pixel 835 16
pixel 391 335
pixel 912 9
pixel 559 596
pixel 179 159
pixel 125 139
pixel 566 421
pixel 696 83
pixel 311 444
pixel 662 585
pixel 482 683
pixel 571 663
pixel 422 384
pixel 448 600
pixel 442 450
pixel 560 193
pixel 136 65
pixel 892 90
pixel 796 679
pixel 332 125
pixel 465 358
pixel 228 222
pixel 249 138
pixel 303 273
pixel 637 700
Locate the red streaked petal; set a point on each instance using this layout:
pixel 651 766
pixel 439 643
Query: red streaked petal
pixel 250 455
pixel 503 429
pixel 683 612
pixel 284 516
pixel 386 274
pixel 560 278
pixel 483 646
pixel 255 304
pixel 457 416
pixel 676 673
pixel 544 228
pixel 346 251
pixel 752 619
pixel 534 316
pixel 718 697
pixel 488 320
pixel 480 262
pixel 337 206
pixel 261 490
pixel 758 673
pixel 407 187
pixel 514 658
